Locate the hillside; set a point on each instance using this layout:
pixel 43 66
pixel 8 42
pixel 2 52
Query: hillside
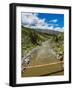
pixel 32 38
pixel 42 52
pixel 48 31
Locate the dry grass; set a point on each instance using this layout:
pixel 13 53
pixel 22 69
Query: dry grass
pixel 44 70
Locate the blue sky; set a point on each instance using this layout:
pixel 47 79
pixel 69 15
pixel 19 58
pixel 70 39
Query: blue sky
pixel 43 21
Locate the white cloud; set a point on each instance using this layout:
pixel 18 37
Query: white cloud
pixel 59 29
pixel 28 18
pixel 51 27
pixel 33 21
pixel 54 21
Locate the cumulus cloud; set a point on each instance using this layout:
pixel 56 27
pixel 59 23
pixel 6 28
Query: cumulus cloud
pixel 32 20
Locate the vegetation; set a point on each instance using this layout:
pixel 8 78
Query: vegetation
pixel 32 38
pixel 58 43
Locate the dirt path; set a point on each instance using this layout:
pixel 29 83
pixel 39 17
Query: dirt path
pixel 43 54
pixel 40 56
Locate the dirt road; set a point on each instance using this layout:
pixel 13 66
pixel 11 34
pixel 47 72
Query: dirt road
pixel 43 55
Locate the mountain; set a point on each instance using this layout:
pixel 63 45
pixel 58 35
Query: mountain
pixel 46 31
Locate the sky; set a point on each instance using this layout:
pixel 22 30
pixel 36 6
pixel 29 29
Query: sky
pixel 43 21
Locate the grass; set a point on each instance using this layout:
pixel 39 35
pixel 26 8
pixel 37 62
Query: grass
pixel 27 36
pixel 43 70
pixel 31 39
